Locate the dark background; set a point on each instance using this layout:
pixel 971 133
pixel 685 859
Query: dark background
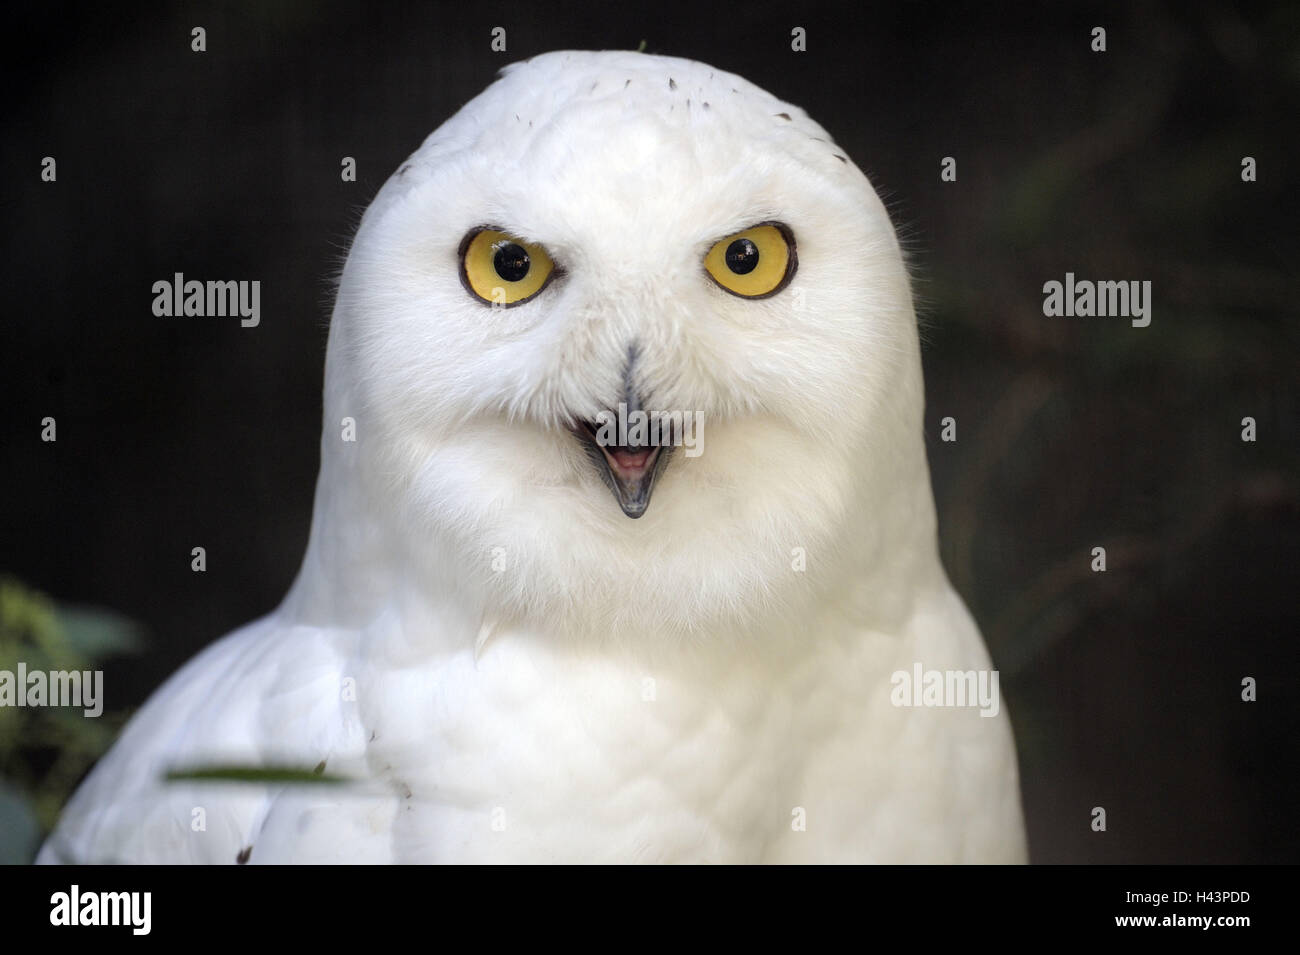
pixel 1124 687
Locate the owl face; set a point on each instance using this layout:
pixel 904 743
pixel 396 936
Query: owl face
pixel 602 234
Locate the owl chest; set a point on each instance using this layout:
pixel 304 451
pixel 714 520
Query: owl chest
pixel 577 759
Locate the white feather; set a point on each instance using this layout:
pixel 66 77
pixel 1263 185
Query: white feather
pixel 664 689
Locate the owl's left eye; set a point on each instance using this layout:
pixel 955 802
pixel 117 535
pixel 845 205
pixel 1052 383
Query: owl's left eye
pixel 755 263
pixel 502 269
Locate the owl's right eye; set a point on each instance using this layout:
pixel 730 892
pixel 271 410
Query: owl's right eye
pixel 501 269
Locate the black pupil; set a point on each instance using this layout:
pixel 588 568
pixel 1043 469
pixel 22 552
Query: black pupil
pixel 742 256
pixel 511 261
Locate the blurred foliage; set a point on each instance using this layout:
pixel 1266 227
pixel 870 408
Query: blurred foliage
pixel 1085 432
pixel 45 750
pixel 266 775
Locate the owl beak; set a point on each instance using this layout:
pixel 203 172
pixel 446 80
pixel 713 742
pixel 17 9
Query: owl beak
pixel 630 471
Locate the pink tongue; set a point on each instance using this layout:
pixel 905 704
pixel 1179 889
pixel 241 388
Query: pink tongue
pixel 630 460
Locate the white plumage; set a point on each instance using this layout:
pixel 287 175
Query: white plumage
pixel 510 667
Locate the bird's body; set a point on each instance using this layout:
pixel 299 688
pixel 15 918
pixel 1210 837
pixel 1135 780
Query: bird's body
pixel 505 663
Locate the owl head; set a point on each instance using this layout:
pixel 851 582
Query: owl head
pixel 599 239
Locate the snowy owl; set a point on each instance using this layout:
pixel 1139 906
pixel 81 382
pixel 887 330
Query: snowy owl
pixel 526 631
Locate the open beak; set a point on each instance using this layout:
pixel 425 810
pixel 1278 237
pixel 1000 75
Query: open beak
pixel 630 471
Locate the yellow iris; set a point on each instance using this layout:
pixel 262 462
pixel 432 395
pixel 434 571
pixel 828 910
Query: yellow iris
pixel 755 263
pixel 502 269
